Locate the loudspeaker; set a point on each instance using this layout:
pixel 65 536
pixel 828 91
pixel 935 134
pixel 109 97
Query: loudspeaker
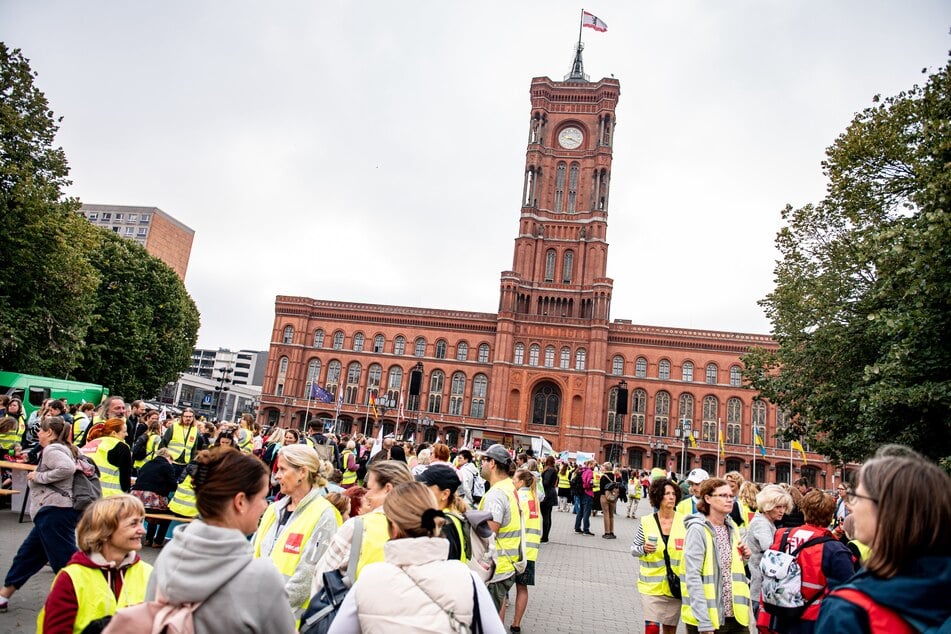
pixel 621 401
pixel 415 380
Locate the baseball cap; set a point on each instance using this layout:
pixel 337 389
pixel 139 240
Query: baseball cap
pixel 441 475
pixel 697 476
pixel 498 453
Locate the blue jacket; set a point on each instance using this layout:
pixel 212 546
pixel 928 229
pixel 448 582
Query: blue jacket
pixel 918 593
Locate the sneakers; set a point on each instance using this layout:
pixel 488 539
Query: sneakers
pixel 578 530
pixel 3 604
pixel 609 536
pixel 588 533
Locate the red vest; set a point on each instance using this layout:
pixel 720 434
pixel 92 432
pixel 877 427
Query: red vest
pixel 810 561
pixel 881 620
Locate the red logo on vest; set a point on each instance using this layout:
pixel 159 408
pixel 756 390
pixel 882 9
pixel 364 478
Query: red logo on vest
pixel 292 545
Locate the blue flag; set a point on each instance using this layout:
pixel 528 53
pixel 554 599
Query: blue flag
pixel 320 394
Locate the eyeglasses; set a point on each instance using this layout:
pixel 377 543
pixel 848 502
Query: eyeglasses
pixel 852 497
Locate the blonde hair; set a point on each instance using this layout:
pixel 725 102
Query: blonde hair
pixel 411 508
pixel 306 458
pixel 101 519
pixel 771 496
pixel 748 492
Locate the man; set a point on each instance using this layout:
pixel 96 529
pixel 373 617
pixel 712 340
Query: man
pixel 841 510
pixel 585 499
pixel 467 473
pixel 329 450
pixel 112 407
pixel 507 523
pixel 688 506
pixel 183 440
pixel 133 423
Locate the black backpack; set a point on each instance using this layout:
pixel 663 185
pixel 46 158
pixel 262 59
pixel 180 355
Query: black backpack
pixel 577 483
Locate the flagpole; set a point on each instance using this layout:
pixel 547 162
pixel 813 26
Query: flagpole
pixel 790 463
pixel 719 446
pixel 367 419
pixel 580 26
pixel 753 472
pixel 310 389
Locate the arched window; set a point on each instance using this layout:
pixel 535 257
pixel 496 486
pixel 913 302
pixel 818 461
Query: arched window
pixel 686 408
pixel 533 351
pixel 573 187
pixel 358 342
pixel 288 334
pixel 378 342
pixel 711 373
pixel 580 357
pixel 613 419
pixel 374 374
pixel 519 354
pixel 480 387
pixel 617 365
pixel 663 370
pixel 736 376
pixel 394 383
pixel 782 422
pixel 483 353
pixel 566 267
pixel 282 366
pixel 560 186
pixel 734 420
pixel 354 370
pixel 333 377
pixel 687 371
pixel 710 407
pixel 462 351
pixel 661 413
pixel 319 338
pixel 546 401
pixel 549 356
pixel 550 265
pixel 640 367
pixel 420 347
pixel 313 376
pixel 638 411
pixel 399 345
pixel 565 359
pixel 338 340
pixel 436 380
pixel 441 349
pixel 456 393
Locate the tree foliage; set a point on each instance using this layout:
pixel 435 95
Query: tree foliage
pixel 862 304
pixel 78 301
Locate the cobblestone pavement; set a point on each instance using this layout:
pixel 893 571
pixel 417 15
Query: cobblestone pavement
pixel 583 583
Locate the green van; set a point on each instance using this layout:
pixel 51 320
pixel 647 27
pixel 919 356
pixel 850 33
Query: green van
pixel 32 390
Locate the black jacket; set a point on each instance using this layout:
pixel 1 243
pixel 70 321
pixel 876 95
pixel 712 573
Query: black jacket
pixel 156 475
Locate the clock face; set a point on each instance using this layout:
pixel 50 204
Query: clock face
pixel 570 138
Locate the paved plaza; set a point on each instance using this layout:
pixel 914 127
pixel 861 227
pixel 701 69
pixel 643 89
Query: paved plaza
pixel 584 584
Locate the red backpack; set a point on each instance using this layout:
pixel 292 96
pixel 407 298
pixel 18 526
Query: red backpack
pixel 881 620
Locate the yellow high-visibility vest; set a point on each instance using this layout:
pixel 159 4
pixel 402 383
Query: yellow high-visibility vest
pixel 349 477
pixel 293 539
pixel 9 440
pixel 652 577
pixel 182 440
pixel 94 597
pixel 708 575
pixel 151 446
pixel 376 532
pixel 108 473
pixel 457 523
pixel 247 446
pixel 533 523
pixel 686 506
pixel 508 541
pixel 564 480
pixel 596 482
pixel 184 501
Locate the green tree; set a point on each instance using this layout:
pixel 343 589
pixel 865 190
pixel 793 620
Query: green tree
pixel 145 324
pixel 46 282
pixel 862 304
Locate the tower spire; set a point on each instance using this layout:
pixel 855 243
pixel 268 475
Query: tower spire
pixel 577 67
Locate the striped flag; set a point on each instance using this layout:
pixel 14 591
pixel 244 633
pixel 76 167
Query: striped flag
pixel 372 402
pixel 798 447
pixel 758 441
pixel 593 22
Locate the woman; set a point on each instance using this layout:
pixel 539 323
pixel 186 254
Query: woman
pixel 296 529
pixel 740 512
pixel 15 411
pixel 608 505
pixel 550 486
pixel 794 516
pixel 106 574
pixel 113 457
pixel 52 538
pixel 356 494
pixel 634 494
pixel 901 507
pixel 564 487
pixel 157 481
pixel 348 462
pixel 415 589
pixel 824 565
pixel 341 502
pixel 658 534
pixel 382 477
pixel 771 504
pixel 423 460
pixel 146 445
pixel 747 497
pixel 524 482
pixel 716 596
pixel 210 560
pixel 444 481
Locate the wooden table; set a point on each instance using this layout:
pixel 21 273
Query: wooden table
pixel 21 491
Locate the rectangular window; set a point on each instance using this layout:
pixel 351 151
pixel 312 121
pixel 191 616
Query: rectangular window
pixel 129 231
pixel 115 229
pixel 143 232
pixel 144 218
pixel 133 217
pixel 118 217
pixel 106 216
pixel 93 215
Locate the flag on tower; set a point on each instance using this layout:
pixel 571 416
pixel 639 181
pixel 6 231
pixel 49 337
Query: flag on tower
pixel 758 441
pixel 320 394
pixel 798 447
pixel 593 22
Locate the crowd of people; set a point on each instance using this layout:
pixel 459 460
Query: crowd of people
pixel 256 525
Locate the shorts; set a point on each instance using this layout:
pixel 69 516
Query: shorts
pixel 526 578
pixel 498 590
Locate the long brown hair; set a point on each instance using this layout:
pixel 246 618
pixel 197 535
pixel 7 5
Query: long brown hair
pixel 222 473
pixel 62 432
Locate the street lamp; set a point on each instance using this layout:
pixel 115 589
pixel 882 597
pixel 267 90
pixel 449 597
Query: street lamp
pixel 684 432
pixel 221 388
pixel 657 448
pixel 620 409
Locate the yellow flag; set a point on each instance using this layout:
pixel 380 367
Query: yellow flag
pixel 693 441
pixel 720 439
pixel 798 447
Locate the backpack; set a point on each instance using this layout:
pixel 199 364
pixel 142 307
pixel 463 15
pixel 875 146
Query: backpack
pixel 611 490
pixel 479 546
pixel 86 486
pixel 326 453
pixel 140 447
pixel 324 605
pixel 782 579
pixel 577 483
pixel 154 617
pixel 478 486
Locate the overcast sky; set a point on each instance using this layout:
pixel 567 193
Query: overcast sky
pixel 374 151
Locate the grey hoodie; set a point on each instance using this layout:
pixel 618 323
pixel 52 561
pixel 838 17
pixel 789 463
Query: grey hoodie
pixel 694 550
pixel 246 594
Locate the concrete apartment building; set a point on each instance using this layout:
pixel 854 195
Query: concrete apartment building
pixel 162 235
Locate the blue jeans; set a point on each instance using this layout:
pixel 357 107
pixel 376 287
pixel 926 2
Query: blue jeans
pixel 583 518
pixel 52 539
